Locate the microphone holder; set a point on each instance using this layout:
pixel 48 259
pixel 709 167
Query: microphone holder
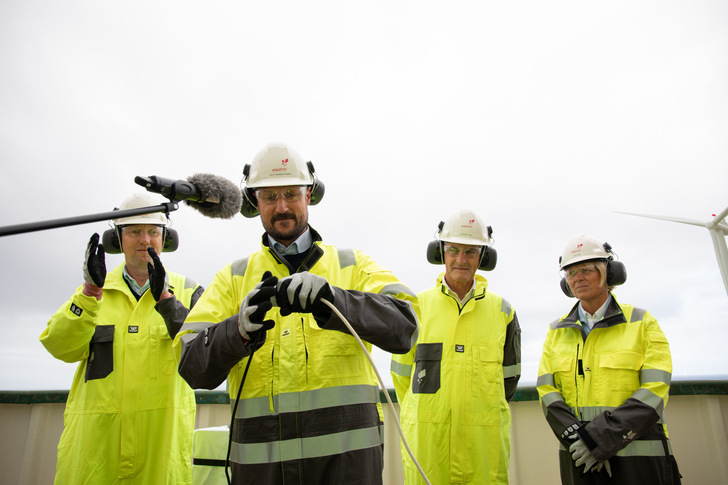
pixel 165 207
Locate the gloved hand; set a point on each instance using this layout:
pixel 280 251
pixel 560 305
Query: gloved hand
pixel 94 263
pixel 158 279
pixel 603 464
pixel 254 307
pixel 581 454
pixel 302 293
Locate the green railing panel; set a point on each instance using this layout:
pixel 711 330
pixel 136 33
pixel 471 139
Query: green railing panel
pixel 523 393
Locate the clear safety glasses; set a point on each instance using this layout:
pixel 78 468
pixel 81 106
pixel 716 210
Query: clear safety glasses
pixel 469 253
pixel 138 232
pixel 584 271
pixel 289 194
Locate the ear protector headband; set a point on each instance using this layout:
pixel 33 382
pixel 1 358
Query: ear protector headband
pixel 616 272
pixel 112 241
pixel 488 257
pixel 250 201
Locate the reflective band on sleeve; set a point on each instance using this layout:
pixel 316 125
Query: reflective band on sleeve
pixel 511 370
pixel 551 398
pixel 546 380
pixel 194 328
pixel 655 375
pixel 396 289
pixel 326 445
pixel 650 398
pixel 400 369
pixel 187 338
pixel 308 400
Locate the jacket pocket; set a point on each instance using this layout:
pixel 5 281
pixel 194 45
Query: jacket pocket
pixel 621 370
pixel 162 358
pixel 332 354
pixel 100 362
pixel 428 359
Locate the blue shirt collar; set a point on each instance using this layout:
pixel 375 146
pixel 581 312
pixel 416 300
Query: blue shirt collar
pixel 139 290
pixel 598 315
pixel 302 244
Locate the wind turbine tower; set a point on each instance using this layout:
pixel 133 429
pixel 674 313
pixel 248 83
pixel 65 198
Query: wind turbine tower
pixel 718 232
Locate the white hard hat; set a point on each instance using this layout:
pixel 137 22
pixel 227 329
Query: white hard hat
pixel 583 247
pixel 465 227
pixel 142 199
pixel 278 165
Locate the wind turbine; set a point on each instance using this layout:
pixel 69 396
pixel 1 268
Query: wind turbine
pixel 718 232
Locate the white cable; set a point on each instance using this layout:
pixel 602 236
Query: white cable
pixel 381 384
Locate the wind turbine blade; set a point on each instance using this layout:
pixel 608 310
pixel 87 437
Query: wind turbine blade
pixel 721 253
pixel 664 218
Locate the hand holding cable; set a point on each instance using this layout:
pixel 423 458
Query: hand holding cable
pixel 158 279
pixel 256 303
pixel 94 267
pixel 303 293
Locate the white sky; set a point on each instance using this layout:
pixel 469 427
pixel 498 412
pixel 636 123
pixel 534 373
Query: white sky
pixel 544 117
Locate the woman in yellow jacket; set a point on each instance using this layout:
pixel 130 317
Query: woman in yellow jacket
pixel 454 386
pixel 129 418
pixel 604 378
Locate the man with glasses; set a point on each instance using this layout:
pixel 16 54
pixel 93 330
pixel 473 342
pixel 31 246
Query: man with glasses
pixel 604 378
pixel 307 408
pixel 454 385
pixel 129 417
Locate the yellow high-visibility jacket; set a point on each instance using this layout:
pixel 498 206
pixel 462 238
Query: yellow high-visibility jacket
pixel 129 416
pixel 309 407
pixel 454 386
pixel 610 388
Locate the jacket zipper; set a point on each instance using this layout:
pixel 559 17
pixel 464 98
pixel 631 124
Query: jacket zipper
pixel 579 372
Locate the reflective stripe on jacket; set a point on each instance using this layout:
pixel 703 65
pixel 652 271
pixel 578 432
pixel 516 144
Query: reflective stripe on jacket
pixel 454 386
pixel 310 399
pixel 129 414
pixel 610 388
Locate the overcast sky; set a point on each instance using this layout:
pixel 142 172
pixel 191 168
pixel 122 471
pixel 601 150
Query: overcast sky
pixel 544 117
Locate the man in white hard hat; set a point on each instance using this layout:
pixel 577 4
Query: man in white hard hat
pixel 604 378
pixel 455 384
pixel 308 409
pixel 129 416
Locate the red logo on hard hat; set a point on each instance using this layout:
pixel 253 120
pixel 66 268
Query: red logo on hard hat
pixel 284 162
pixel 579 245
pixel 471 220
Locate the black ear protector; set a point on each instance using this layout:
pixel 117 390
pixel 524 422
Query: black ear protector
pixel 250 202
pixel 616 272
pixel 112 241
pixel 488 258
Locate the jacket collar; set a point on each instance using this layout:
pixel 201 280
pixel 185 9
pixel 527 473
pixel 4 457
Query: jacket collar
pixel 612 316
pixel 481 285
pixel 314 253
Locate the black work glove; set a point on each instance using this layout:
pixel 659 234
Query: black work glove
pixel 158 279
pixel 302 293
pixel 256 303
pixel 94 263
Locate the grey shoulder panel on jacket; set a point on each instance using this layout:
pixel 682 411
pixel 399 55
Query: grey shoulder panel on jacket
pixel 346 258
pixel 239 266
